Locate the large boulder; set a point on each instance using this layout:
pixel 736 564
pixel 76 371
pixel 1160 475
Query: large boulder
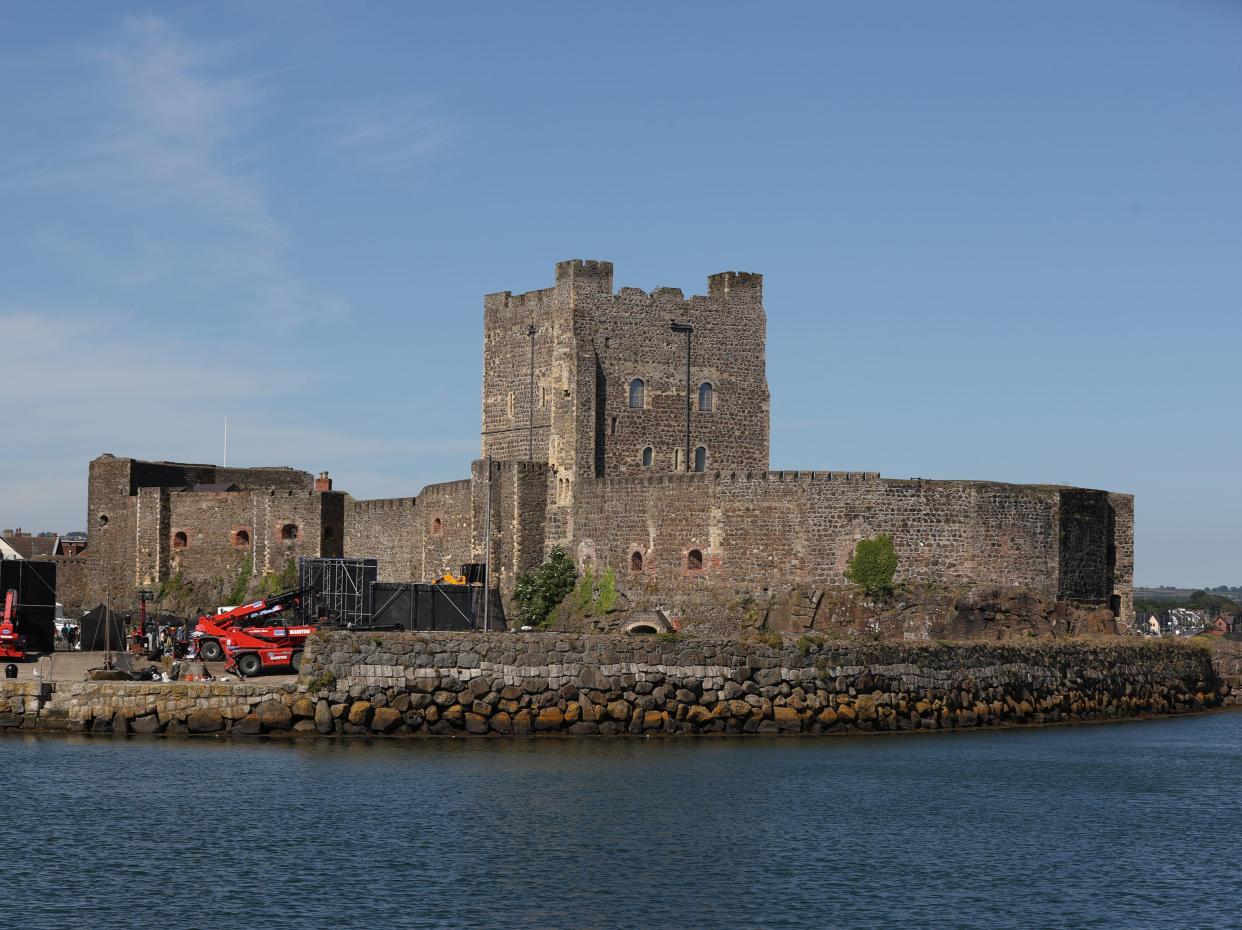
pixel 787 719
pixel 550 718
pixel 274 715
pixel 360 713
pixel 324 721
pixel 385 719
pixel 206 720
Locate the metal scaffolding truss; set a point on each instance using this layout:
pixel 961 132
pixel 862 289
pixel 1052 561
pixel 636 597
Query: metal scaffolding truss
pixel 338 590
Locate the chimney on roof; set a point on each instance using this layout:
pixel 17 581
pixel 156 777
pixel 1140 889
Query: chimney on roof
pixel 323 482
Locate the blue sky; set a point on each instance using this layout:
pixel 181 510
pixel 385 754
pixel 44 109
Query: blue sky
pixel 998 242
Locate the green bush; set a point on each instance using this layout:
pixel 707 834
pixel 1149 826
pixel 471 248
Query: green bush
pixel 873 565
pixel 242 584
pixel 274 583
pixel 322 682
pixel 805 644
pixel 584 594
pixel 539 591
pixel 606 592
pixel 593 596
pixel 769 638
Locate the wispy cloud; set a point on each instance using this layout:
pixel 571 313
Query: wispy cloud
pixel 159 287
pixel 166 161
pixel 397 135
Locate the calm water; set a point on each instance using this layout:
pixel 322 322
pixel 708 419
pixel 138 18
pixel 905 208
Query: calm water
pixel 1131 826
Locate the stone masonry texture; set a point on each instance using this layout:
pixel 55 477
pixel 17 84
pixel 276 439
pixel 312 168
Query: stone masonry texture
pixel 554 684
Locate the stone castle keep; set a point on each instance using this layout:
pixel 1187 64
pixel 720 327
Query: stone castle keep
pixel 584 429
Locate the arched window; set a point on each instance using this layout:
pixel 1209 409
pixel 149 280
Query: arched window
pixel 241 538
pixel 705 397
pixel 180 540
pixel 636 562
pixel 289 532
pixel 638 394
pixel 694 560
pixel 700 459
pixel 647 456
pixel 103 519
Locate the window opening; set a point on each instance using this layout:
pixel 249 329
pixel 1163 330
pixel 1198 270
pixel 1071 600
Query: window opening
pixel 700 459
pixel 636 562
pixel 638 394
pixel 694 560
pixel 647 456
pixel 705 398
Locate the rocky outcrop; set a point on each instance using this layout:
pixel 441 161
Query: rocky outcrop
pixel 931 613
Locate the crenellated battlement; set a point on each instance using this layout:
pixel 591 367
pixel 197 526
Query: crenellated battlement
pixel 585 271
pixel 737 477
pixel 385 503
pixel 720 286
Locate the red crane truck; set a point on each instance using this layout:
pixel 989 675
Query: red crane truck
pixel 248 646
pixel 12 643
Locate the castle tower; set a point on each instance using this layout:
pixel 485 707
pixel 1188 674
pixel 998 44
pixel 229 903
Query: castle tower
pixel 595 383
pixel 599 384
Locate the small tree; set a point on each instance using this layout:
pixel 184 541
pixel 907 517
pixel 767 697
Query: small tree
pixel 539 591
pixel 873 565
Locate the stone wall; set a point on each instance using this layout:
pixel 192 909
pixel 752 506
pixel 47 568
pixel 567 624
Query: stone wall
pixel 148 707
pixel 458 684
pixel 387 530
pixel 1227 662
pixel 414 538
pixel 678 537
pixel 144 527
pixel 508 683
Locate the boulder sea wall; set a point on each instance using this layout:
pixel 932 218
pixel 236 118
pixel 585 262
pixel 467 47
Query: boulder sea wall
pixel 461 684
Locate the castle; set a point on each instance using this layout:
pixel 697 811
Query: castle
pixel 630 428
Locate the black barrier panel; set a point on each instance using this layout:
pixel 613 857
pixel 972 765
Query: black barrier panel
pixel 100 629
pixel 35 584
pixel 336 590
pixel 418 606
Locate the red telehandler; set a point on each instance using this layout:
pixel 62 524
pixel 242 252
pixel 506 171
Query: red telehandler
pixel 12 643
pixel 249 647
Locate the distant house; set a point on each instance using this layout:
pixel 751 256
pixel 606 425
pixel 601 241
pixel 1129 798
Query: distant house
pixel 21 545
pixel 70 544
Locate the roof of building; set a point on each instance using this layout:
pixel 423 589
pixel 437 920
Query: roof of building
pixel 30 547
pixel 209 488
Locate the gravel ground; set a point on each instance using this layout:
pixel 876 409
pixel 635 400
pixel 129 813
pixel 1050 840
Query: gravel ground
pixel 73 665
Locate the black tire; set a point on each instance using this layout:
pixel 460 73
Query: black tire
pixel 296 661
pixel 249 663
pixel 210 650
